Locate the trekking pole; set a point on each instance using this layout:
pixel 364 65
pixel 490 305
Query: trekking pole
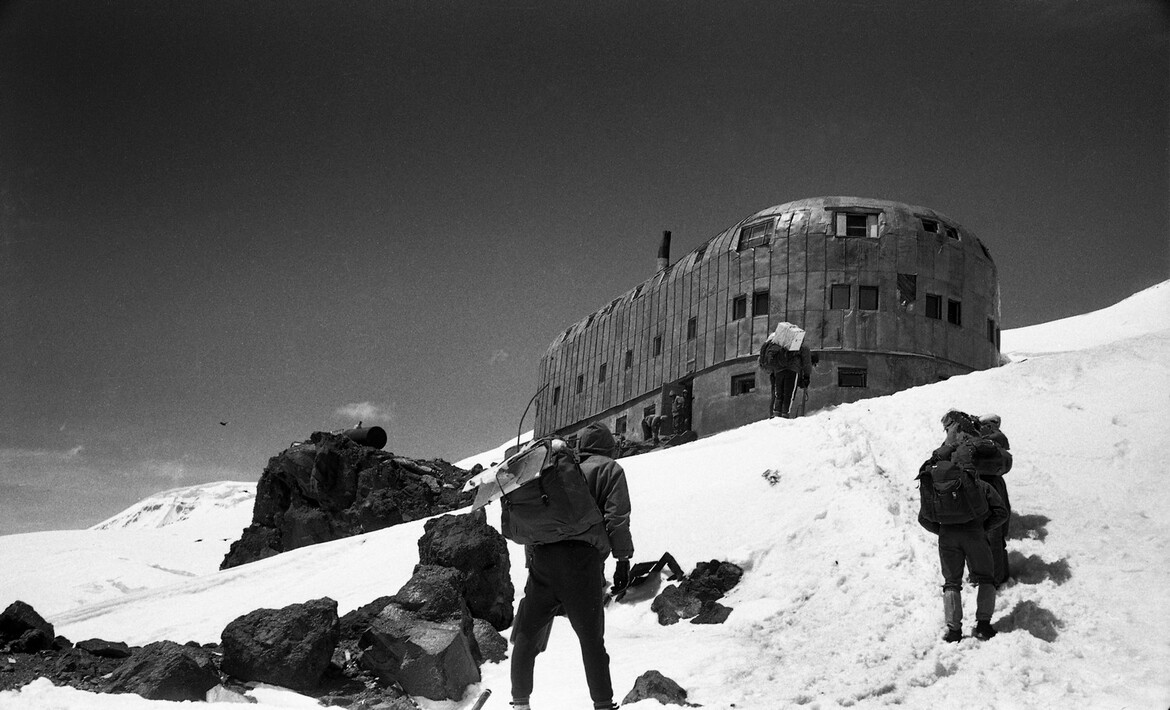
pixel 482 699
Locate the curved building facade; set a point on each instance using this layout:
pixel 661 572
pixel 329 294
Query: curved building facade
pixel 890 295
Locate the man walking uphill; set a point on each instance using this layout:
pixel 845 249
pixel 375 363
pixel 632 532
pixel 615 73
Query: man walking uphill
pixel 570 575
pixel 788 362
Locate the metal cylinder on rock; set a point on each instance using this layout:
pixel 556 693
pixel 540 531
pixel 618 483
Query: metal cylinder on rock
pixel 374 436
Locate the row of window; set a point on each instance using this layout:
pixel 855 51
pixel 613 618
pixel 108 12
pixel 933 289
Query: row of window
pixel 853 222
pixel 846 377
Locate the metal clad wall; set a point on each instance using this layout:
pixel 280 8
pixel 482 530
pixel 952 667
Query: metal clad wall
pixel 802 260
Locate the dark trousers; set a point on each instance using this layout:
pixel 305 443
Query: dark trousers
pixel 962 546
pixel 997 538
pixel 569 575
pixel 783 392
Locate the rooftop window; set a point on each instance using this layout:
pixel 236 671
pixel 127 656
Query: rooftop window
pixel 855 223
pixel 755 234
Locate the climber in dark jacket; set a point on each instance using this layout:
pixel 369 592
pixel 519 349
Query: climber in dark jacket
pixel 569 576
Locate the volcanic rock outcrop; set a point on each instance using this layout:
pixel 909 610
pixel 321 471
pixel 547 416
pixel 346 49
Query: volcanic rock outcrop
pixel 330 487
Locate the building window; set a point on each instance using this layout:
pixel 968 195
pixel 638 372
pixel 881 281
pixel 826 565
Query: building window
pixel 867 298
pixel 907 289
pixel 601 372
pixel 742 384
pixel 953 233
pixel 760 303
pixel 556 395
pixel 589 321
pixel 619 426
pixel 855 224
pixel 692 328
pixel 629 359
pixel 580 384
pixel 657 345
pixel 699 255
pixel 933 306
pixel 954 312
pixel 929 225
pixel 839 297
pixel 637 291
pixel 649 411
pixel 738 307
pixel 851 377
pixel 755 235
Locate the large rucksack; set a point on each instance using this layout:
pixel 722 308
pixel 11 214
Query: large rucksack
pixel 548 498
pixel 951 495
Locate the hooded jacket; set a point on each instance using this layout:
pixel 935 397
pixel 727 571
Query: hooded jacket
pixel 607 481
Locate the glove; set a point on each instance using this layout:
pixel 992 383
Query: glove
pixel 621 575
pixel 803 382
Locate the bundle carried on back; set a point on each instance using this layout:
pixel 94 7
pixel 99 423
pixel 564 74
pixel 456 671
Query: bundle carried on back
pixel 950 495
pixel 781 351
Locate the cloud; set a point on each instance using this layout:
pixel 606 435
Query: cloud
pixel 365 412
pixel 498 357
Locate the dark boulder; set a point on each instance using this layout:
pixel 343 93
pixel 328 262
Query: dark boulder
pixel 289 647
pixel 468 544
pixel 164 670
pixel 330 487
pixel 653 684
pixel 23 630
pixel 492 646
pixel 431 659
pixel 105 649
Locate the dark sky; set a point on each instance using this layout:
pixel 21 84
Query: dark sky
pixel 289 216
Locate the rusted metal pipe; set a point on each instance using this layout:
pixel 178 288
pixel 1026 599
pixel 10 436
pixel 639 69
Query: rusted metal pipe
pixel 374 436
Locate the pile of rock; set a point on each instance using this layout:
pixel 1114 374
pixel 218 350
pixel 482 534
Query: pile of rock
pixel 696 596
pixel 329 487
pixel 429 639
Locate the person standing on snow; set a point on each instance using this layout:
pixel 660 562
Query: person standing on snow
pixel 992 464
pixel 570 576
pixel 789 364
pixel 962 511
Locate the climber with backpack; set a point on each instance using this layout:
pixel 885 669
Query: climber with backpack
pixel 789 363
pixel 570 515
pixel 961 510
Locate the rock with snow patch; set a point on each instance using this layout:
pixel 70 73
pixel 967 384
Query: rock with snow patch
pixel 164 670
pixel 289 647
pixel 653 684
pixel 330 487
pixel 23 630
pixel 467 543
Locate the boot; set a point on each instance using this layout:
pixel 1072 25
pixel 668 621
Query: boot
pixel 983 630
pixel 953 635
pixel 520 705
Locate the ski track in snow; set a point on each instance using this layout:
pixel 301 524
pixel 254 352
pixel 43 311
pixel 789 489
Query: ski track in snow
pixel 840 604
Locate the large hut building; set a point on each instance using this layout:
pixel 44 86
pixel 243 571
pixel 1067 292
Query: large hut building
pixel 890 295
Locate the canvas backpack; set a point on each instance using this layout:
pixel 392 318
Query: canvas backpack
pixel 552 502
pixel 950 495
pixel 774 358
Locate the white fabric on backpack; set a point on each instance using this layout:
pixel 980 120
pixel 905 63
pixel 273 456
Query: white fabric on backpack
pixel 788 336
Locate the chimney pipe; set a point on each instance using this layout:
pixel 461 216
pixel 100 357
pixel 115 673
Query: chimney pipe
pixel 664 251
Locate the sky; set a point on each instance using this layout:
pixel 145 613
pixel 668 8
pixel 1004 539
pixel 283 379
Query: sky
pixel 839 605
pixel 226 225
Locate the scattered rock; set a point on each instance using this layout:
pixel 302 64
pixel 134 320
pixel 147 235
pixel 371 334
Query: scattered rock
pixel 696 594
pixel 468 544
pixel 653 684
pixel 289 647
pixel 164 670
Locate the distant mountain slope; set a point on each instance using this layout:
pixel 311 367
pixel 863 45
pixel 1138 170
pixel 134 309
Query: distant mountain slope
pixel 181 504
pixel 1144 312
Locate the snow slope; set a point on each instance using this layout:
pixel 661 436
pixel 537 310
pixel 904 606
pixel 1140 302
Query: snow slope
pixel 840 604
pixel 209 500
